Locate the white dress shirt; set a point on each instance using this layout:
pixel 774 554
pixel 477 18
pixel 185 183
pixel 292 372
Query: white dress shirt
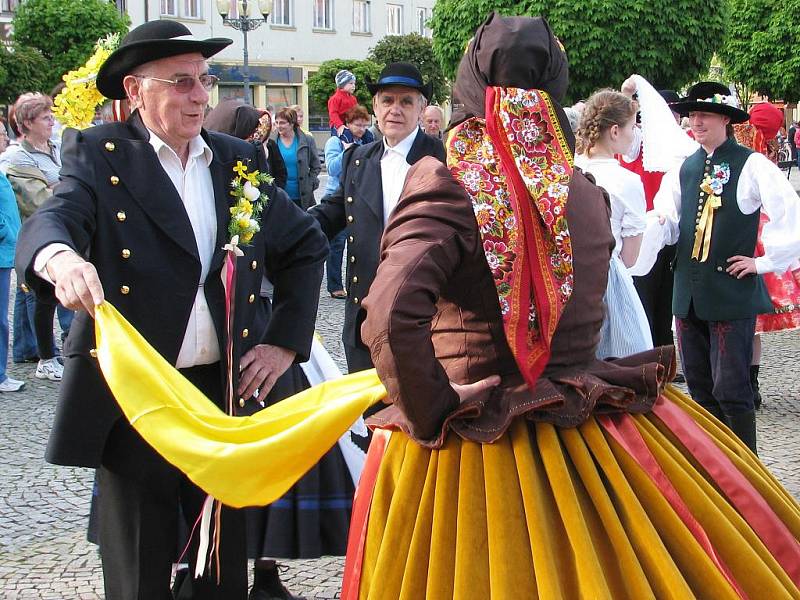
pixel 394 168
pixel 761 185
pixel 196 189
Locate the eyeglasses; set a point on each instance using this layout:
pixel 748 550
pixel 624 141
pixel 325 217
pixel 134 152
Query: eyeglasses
pixel 184 85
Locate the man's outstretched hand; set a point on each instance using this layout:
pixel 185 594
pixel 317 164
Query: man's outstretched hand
pixel 76 281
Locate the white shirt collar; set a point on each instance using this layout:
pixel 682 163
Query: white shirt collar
pixel 197 146
pixel 403 147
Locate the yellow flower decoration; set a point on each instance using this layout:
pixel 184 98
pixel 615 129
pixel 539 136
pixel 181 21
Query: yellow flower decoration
pixel 249 202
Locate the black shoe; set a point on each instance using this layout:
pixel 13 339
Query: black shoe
pixel 180 577
pixel 267 582
pixel 757 400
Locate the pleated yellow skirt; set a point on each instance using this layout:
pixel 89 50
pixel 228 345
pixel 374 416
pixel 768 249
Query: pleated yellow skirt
pixel 569 513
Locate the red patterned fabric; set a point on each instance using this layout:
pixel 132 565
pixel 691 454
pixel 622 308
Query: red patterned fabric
pixel 516 166
pixel 784 291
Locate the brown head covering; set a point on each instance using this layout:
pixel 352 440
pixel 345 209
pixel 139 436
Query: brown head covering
pixel 519 52
pixel 234 117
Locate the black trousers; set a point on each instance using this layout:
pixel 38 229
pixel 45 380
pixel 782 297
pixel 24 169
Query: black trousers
pixel 139 496
pixel 716 356
pixel 655 292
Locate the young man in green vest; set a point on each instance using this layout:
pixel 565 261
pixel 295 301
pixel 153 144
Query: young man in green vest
pixel 711 206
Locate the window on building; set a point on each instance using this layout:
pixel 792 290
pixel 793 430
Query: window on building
pixel 192 9
pixel 169 8
pixel 394 19
pixel 122 6
pixel 282 13
pixel 423 16
pixel 361 16
pixel 323 14
pixel 9 5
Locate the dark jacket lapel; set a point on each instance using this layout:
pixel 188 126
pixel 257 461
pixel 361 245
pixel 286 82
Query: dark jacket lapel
pixel 154 192
pixel 371 183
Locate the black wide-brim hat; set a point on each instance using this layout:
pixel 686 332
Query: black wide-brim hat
pixel 148 42
pixel 401 73
pixel 713 97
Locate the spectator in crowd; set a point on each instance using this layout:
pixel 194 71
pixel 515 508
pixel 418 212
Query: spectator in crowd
pixel 790 137
pixel 234 117
pixel 301 116
pixel 341 100
pixel 299 152
pixel 432 120
pixel 32 166
pixel 356 121
pixel 9 228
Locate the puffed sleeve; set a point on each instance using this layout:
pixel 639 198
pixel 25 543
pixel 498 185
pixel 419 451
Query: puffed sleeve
pixel 423 246
pixel 633 206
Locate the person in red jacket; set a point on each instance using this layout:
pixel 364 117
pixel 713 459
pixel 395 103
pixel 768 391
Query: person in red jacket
pixel 341 101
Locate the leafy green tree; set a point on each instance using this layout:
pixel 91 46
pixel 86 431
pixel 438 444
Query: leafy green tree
pixel 417 50
pixel 669 43
pixel 322 84
pixel 760 47
pixel 22 69
pixel 65 32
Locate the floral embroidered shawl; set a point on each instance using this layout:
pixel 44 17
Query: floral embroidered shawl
pixel 516 167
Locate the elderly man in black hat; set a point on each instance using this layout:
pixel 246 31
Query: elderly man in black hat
pixel 710 207
pixel 140 218
pixel 371 182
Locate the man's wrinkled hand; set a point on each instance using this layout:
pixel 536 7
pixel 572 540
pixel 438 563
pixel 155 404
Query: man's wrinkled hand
pixel 473 391
pixel 77 284
pixel 260 368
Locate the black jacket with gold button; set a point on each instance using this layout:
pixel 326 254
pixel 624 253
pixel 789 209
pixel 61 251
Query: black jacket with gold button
pixel 116 206
pixel 358 206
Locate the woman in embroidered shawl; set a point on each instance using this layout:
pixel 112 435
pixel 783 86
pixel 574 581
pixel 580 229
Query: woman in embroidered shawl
pixel 512 462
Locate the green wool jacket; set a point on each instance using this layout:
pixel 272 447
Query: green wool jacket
pixel 716 295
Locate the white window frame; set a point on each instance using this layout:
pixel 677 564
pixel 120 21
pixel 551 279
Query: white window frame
pixel 9 6
pixel 323 15
pixel 423 16
pixel 187 9
pixel 286 13
pixel 362 15
pixel 394 16
pixel 165 8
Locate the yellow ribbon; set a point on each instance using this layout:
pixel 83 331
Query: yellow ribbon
pixel 241 461
pixel 702 236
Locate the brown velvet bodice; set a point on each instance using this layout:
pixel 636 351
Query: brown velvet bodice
pixel 433 317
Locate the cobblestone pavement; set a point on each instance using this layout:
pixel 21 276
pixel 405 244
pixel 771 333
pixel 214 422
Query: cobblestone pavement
pixel 43 509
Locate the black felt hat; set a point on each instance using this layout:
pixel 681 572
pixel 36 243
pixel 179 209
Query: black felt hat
pixel 401 73
pixel 713 97
pixel 151 41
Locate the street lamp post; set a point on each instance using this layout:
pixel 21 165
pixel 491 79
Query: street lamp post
pixel 244 23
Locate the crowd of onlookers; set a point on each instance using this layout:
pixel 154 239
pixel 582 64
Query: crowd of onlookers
pixel 29 169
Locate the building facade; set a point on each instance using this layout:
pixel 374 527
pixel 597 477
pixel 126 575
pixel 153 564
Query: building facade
pixel 289 47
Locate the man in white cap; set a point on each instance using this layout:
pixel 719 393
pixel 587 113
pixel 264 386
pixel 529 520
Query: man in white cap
pixel 140 218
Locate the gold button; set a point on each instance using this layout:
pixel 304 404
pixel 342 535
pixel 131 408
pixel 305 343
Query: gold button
pixel 352 259
pixel 124 290
pixel 110 146
pixel 350 218
pixel 358 162
pixel 252 298
pixel 355 300
pixel 351 239
pixel 126 253
pixel 241 402
pixel 25 288
pixel 93 352
pixel 355 278
pixel 121 216
pixel 253 265
pixel 114 180
pixel 350 199
pixel 245 333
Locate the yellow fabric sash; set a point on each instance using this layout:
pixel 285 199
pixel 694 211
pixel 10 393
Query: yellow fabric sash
pixel 241 461
pixel 702 236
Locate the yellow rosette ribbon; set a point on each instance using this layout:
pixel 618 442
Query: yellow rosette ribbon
pixel 702 235
pixel 241 461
